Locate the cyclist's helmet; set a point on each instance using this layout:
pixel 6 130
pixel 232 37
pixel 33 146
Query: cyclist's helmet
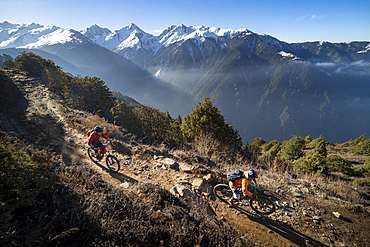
pixel 98 129
pixel 251 174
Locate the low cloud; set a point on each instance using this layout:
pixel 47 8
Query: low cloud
pixel 361 63
pixel 326 64
pixel 357 68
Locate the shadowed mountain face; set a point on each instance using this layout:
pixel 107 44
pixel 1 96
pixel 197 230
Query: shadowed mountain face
pixel 264 87
pixel 276 90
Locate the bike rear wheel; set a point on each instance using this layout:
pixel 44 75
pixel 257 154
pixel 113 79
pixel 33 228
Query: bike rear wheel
pixel 112 163
pixel 92 155
pixel 263 205
pixel 222 192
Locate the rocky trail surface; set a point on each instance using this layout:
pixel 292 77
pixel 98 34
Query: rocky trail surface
pixel 302 217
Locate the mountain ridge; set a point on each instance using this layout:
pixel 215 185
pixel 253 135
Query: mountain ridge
pixel 250 77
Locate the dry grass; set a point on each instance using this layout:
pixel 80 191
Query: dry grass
pixel 323 187
pixel 280 175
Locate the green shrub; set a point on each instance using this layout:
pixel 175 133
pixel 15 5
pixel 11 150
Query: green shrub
pixel 29 62
pixel 25 175
pixel 89 94
pixel 362 182
pixel 361 145
pixel 318 141
pixel 364 168
pixel 292 150
pixel 319 147
pixel 338 164
pixel 362 148
pixel 308 139
pixel 356 141
pixel 271 150
pixel 265 147
pixel 314 163
pixel 124 115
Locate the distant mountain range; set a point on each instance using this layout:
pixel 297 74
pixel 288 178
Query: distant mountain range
pixel 264 87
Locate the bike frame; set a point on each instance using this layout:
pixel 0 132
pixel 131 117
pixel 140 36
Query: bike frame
pixel 258 204
pixel 104 148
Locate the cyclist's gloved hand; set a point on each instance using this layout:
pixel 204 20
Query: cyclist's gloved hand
pixel 111 142
pixel 254 196
pixel 95 149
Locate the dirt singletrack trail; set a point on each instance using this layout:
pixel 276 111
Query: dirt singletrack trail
pixel 47 123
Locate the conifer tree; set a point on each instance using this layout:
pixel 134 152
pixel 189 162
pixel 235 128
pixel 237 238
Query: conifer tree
pixel 207 120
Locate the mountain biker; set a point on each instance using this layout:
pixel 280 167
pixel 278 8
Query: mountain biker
pixel 94 143
pixel 242 183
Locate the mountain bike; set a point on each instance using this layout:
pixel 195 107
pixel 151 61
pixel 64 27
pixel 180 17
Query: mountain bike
pixel 260 204
pixel 111 161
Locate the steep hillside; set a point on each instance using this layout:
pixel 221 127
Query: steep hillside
pixel 305 204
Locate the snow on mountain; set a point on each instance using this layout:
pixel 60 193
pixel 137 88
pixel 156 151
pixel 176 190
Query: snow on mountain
pixel 367 48
pixel 200 33
pixel 133 37
pixel 124 41
pixel 96 34
pixel 286 54
pixel 137 37
pixel 127 36
pixel 33 36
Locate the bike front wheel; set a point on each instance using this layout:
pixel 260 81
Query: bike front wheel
pixel 263 205
pixel 112 163
pixel 222 192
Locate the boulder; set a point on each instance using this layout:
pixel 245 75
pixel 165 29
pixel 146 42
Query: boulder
pixel 182 192
pixel 170 163
pixel 125 185
pixel 337 214
pixel 198 183
pixel 192 199
pixel 186 167
pixel 208 178
pixel 200 186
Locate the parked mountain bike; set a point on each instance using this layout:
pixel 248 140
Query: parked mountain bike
pixel 111 161
pixel 260 204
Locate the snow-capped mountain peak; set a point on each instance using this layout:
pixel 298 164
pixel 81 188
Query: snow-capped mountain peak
pixel 181 33
pixel 133 26
pixel 96 34
pixel 95 31
pixel 32 35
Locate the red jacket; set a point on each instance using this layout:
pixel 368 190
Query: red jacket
pixel 94 137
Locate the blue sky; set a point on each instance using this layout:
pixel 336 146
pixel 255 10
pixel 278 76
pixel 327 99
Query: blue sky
pixel 287 20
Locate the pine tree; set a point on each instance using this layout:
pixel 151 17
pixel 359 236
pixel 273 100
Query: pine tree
pixel 207 120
